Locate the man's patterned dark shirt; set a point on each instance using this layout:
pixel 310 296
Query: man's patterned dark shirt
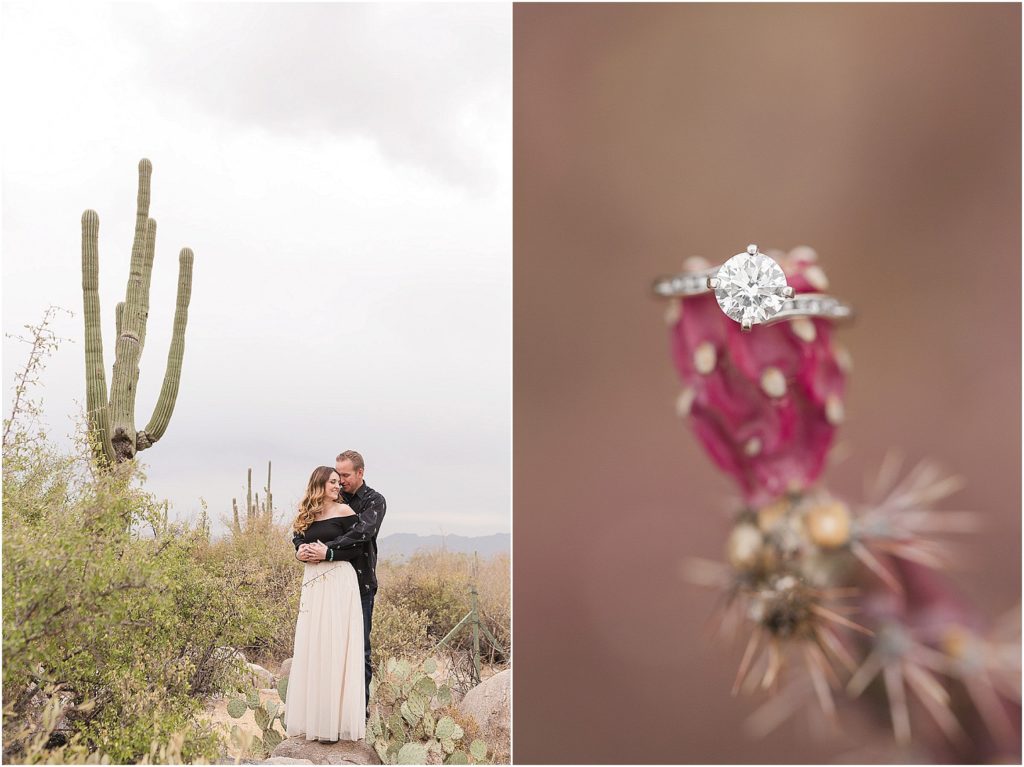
pixel 359 545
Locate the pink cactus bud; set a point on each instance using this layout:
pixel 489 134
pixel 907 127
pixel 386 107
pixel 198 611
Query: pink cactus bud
pixel 765 404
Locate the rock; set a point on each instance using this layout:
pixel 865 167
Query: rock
pixel 226 653
pixel 261 678
pixel 489 703
pixel 286 668
pixel 38 704
pixel 285 760
pixel 342 752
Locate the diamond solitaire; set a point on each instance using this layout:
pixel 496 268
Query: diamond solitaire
pixel 750 287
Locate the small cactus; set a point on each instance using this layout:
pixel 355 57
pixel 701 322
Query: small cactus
pixel 256 512
pixel 765 405
pixel 266 714
pixel 828 587
pixel 282 689
pixel 404 726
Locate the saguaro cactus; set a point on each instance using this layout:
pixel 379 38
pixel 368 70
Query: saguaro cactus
pixel 255 511
pixel 268 510
pixel 114 421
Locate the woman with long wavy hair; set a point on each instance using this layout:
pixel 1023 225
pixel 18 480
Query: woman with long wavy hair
pixel 326 688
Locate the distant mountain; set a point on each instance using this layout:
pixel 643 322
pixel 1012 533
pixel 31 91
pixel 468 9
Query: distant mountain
pixel 400 545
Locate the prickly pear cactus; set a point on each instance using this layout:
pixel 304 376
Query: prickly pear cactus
pixel 839 598
pixel 266 715
pixel 408 724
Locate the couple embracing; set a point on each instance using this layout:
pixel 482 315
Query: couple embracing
pixel 335 534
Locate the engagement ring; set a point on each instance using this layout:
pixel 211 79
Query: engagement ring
pixel 751 289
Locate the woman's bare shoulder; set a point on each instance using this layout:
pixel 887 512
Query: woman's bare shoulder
pixel 344 510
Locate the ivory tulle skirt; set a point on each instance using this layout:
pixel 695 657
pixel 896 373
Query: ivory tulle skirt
pixel 326 687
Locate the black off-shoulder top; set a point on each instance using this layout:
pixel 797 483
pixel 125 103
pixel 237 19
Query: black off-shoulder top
pixel 324 530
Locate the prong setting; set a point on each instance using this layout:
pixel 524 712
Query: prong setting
pixel 751 289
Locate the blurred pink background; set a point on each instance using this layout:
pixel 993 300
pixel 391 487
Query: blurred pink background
pixel 887 137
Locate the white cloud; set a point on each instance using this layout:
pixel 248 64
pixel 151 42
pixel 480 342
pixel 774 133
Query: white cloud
pixel 427 83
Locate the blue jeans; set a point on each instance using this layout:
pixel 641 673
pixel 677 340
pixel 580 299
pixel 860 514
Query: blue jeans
pixel 367 600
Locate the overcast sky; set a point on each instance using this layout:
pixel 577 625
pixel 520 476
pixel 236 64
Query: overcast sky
pixel 343 174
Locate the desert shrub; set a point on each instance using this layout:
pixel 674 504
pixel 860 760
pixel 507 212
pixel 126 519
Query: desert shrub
pixel 434 586
pixel 126 614
pixel 122 620
pixel 420 599
pixel 260 561
pixel 397 632
pixel 38 746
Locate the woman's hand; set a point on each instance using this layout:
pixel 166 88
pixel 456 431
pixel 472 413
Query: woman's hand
pixel 312 552
pixel 318 551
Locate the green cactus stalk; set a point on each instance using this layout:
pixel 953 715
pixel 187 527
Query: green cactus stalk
pixel 269 510
pixel 257 512
pixel 114 420
pixel 249 511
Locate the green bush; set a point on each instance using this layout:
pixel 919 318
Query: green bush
pixel 120 609
pixel 420 599
pixel 397 632
pixel 433 587
pixel 261 560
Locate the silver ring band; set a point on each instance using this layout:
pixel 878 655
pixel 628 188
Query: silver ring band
pixel 788 306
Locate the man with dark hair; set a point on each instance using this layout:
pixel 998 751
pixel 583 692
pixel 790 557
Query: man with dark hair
pixel 369 506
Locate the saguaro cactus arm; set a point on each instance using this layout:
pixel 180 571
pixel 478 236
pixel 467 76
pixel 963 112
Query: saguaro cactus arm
pixel 128 349
pixel 148 251
pixel 270 496
pixel 172 375
pixel 95 376
pixel 249 512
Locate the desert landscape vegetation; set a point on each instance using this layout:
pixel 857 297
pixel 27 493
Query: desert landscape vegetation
pixel 132 637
